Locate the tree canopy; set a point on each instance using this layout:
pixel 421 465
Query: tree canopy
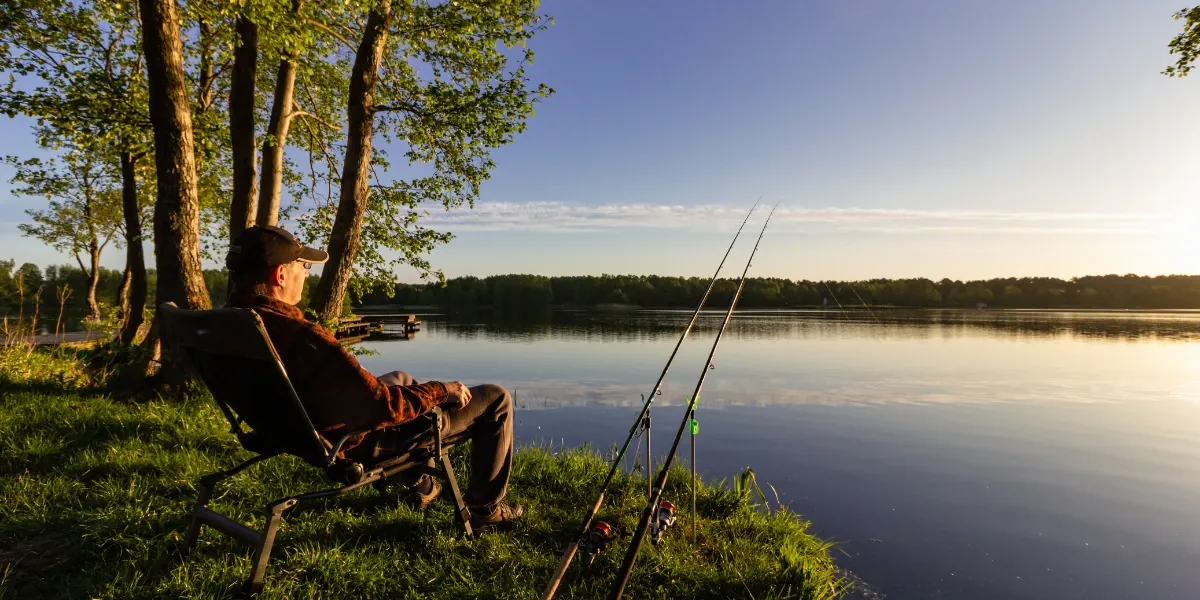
pixel 208 87
pixel 84 208
pixel 1186 45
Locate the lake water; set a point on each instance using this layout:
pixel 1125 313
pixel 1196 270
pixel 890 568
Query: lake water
pixel 952 454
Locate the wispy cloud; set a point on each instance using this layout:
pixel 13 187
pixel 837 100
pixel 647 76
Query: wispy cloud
pixel 562 216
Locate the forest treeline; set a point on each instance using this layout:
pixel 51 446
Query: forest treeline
pixel 55 281
pixel 515 293
pixel 506 292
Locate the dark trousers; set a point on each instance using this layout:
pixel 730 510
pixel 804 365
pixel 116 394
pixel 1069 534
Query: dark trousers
pixel 487 421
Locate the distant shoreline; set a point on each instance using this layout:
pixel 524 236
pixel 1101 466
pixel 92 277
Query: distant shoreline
pixel 416 308
pixel 531 293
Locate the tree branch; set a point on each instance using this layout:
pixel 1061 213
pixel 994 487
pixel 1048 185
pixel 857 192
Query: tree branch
pixel 333 33
pixel 296 112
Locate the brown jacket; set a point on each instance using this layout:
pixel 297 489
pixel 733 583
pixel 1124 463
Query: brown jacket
pixel 339 395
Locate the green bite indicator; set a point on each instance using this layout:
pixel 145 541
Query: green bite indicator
pixel 695 425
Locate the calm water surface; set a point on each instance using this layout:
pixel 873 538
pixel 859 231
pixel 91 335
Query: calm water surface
pixel 952 454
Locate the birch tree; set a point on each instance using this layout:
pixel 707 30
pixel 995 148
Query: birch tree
pixel 77 69
pixel 84 212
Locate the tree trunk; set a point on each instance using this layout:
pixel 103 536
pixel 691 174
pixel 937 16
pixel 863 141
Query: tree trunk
pixel 93 281
pixel 273 145
pixel 241 127
pixel 93 247
pixel 207 93
pixel 176 209
pixel 135 262
pixel 276 139
pixel 352 204
pixel 123 292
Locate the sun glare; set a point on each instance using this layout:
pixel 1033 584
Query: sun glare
pixel 1178 244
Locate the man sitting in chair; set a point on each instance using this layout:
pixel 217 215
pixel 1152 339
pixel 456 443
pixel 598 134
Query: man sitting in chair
pixel 268 267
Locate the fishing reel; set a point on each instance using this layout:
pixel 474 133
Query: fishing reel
pixel 666 518
pixel 596 541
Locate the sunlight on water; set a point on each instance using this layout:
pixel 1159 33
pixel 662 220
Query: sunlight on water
pixel 768 359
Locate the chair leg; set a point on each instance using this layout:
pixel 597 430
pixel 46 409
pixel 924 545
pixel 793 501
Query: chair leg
pixel 464 513
pixel 202 497
pixel 262 554
pixel 204 493
pixel 440 450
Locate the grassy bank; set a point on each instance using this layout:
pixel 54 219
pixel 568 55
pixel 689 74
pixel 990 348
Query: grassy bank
pixel 94 494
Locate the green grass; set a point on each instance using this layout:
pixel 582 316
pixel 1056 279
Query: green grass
pixel 94 497
pixel 49 368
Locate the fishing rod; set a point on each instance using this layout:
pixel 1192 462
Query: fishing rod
pixel 694 425
pixel 642 421
pixel 651 507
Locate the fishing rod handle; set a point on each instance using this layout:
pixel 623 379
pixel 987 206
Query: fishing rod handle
pixel 569 553
pixel 591 514
pixel 561 571
pixel 635 544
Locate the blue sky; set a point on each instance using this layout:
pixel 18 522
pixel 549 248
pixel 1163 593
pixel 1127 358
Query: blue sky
pixel 934 138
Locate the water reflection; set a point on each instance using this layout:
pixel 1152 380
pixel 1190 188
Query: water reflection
pixel 640 326
pixel 774 358
pixel 981 502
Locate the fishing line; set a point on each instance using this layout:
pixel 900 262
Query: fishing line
pixel 835 299
pixel 877 321
pixel 652 506
pixel 641 422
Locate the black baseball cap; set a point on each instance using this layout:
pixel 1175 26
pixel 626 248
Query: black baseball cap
pixel 262 247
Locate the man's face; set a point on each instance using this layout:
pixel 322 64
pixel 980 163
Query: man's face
pixel 291 281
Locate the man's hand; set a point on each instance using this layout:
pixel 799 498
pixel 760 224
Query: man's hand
pixel 457 395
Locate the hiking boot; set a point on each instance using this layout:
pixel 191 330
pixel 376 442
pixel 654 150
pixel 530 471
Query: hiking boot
pixel 501 517
pixel 421 495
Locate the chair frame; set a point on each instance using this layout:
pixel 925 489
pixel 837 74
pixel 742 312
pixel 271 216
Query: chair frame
pixel 350 474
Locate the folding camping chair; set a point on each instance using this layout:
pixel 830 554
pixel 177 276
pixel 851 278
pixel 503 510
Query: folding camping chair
pixel 230 350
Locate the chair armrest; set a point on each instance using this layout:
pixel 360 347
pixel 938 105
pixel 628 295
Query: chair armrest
pixel 331 456
pixel 435 414
pixel 438 417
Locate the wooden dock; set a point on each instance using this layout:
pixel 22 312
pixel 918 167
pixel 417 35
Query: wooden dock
pixel 409 322
pixel 350 329
pixel 356 329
